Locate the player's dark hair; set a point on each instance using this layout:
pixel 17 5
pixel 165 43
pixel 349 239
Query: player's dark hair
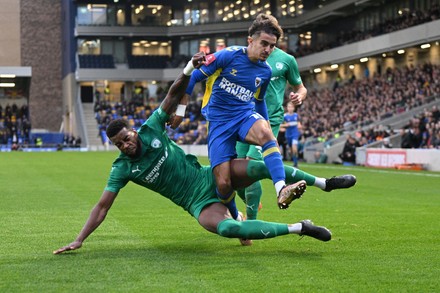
pixel 115 126
pixel 265 23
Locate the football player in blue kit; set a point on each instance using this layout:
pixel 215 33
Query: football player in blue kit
pixel 234 106
pixel 292 125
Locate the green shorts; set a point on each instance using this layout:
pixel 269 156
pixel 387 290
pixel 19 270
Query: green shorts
pixel 203 192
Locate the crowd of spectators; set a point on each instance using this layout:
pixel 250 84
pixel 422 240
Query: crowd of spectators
pixel 405 20
pixel 15 126
pixel 423 131
pixel 327 113
pixel 192 130
pixel 357 103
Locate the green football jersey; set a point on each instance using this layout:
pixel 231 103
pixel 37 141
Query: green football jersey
pixel 284 69
pixel 164 168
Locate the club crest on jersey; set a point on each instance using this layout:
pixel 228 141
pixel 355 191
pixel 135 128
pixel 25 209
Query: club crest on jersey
pixel 257 81
pixel 156 143
pixel 279 65
pixel 209 59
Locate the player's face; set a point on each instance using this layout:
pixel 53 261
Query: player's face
pixel 290 108
pixel 261 46
pixel 126 141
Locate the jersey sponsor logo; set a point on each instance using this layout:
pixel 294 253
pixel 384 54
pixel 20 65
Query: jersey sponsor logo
pixel 236 90
pixel 156 143
pixel 279 65
pixel 257 81
pixel 154 173
pixel 233 72
pixel 209 59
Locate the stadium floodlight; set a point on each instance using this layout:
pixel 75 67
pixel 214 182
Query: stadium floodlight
pixel 425 46
pixel 7 84
pixel 7 75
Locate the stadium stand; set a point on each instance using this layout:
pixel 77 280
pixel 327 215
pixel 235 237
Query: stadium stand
pixel 146 47
pixel 404 20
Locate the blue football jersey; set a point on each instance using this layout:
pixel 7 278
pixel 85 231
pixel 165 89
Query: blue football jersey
pixel 234 81
pixel 292 131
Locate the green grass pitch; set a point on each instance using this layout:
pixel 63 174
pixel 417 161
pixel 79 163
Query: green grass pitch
pixel 386 235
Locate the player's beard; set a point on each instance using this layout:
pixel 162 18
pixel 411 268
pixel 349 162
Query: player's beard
pixel 138 150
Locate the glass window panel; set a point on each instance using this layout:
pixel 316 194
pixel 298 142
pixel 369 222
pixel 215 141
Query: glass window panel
pixel 184 48
pixel 119 54
pixel 89 46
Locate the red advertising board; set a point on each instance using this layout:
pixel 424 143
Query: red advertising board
pixel 385 158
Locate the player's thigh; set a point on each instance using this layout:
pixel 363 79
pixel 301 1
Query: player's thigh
pixel 222 174
pixel 294 144
pixel 259 133
pixel 213 214
pixel 222 141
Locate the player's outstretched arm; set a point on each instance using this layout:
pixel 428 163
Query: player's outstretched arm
pixel 178 88
pixel 96 217
pixel 175 120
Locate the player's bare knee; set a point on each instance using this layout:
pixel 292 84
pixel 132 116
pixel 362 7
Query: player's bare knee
pixel 265 136
pixel 224 185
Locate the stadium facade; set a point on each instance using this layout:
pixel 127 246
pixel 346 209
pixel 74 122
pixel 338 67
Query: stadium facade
pixel 73 52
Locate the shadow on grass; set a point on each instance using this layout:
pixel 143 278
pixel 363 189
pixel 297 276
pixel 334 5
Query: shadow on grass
pixel 193 250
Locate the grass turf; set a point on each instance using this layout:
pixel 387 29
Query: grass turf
pixel 385 235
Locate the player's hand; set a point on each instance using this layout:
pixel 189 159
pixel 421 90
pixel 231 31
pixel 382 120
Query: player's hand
pixel 198 59
pixel 175 121
pixel 295 98
pixel 72 246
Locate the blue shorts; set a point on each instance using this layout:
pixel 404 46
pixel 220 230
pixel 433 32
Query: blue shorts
pixel 223 136
pixel 293 140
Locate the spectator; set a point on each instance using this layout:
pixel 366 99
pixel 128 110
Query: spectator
pixel 348 155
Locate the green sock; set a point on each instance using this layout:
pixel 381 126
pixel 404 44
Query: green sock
pixel 253 229
pixel 294 175
pixel 253 197
pixel 257 170
pixel 242 194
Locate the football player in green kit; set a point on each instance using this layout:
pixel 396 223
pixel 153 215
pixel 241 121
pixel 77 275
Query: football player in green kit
pixel 149 158
pixel 284 70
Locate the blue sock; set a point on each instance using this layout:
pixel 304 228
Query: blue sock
pixel 229 203
pixel 273 161
pixel 295 160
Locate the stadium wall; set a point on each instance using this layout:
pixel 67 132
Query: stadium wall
pixel 41 50
pixel 391 158
pixel 10 33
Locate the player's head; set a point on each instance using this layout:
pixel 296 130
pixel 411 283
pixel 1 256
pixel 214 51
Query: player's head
pixel 124 137
pixel 264 33
pixel 290 107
